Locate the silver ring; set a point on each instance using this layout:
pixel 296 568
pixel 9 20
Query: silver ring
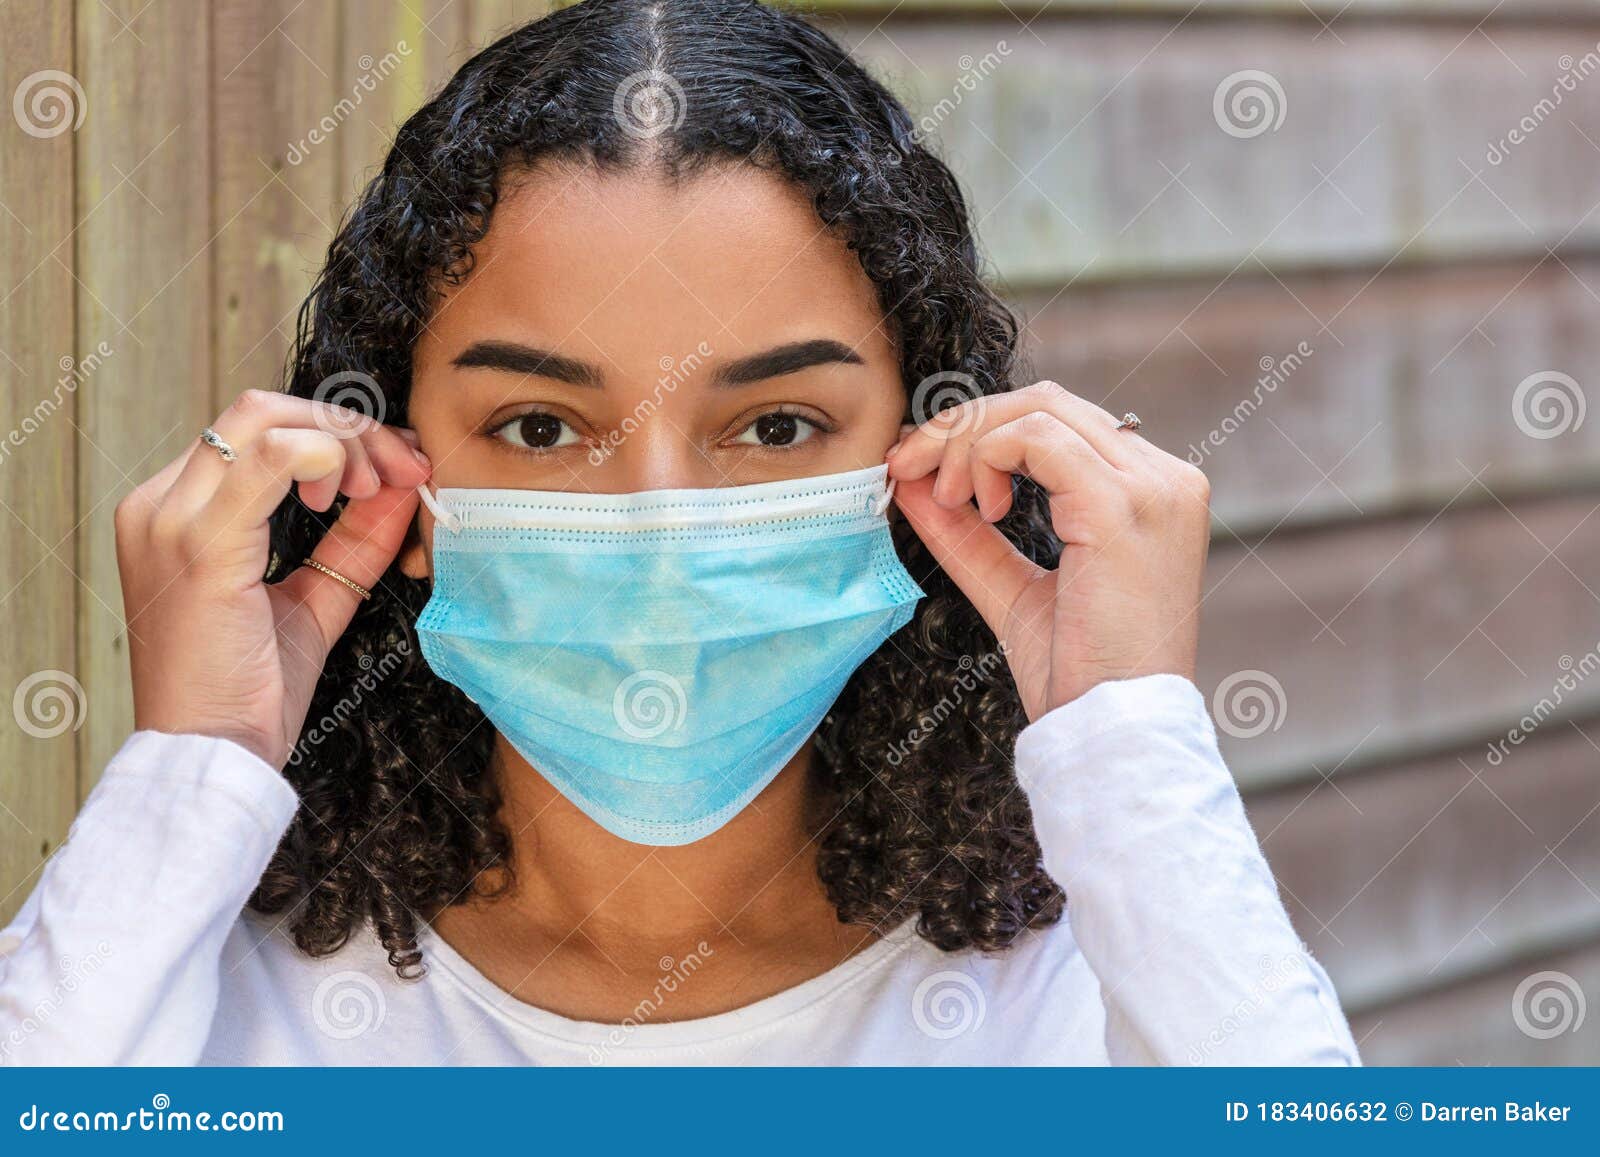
pixel 213 439
pixel 1130 421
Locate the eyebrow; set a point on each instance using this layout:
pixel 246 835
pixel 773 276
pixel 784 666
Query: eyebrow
pixel 516 358
pixel 785 359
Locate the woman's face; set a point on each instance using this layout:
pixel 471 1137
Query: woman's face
pixel 619 333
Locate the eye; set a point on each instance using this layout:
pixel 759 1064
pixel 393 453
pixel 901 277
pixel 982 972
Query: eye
pixel 778 428
pixel 536 430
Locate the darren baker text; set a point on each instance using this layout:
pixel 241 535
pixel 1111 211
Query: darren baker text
pixel 1428 1111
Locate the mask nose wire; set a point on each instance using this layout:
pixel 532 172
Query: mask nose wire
pixel 451 522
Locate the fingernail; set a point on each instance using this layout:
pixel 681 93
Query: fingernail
pixel 408 434
pixel 890 452
pixel 422 459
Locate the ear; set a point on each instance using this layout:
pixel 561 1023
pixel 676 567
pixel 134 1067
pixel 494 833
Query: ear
pixel 413 558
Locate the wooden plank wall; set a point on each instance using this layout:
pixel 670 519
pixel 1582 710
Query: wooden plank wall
pixel 1335 314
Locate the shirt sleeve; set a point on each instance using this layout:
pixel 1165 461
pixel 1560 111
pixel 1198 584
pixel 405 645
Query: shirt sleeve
pixel 115 958
pixel 1168 895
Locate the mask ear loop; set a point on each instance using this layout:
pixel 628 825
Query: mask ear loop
pixel 451 522
pixel 882 504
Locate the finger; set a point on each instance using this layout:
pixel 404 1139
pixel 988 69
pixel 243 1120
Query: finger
pixel 361 545
pixel 932 445
pixel 256 411
pixel 360 475
pixel 1042 447
pixel 975 554
pixel 252 488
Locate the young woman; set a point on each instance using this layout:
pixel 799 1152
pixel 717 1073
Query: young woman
pixel 661 669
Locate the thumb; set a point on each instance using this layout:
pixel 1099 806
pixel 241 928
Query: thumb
pixel 978 558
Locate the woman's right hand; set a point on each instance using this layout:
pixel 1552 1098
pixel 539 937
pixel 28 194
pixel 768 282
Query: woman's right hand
pixel 215 650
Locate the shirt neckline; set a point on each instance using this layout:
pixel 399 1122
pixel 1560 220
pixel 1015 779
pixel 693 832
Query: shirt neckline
pixel 699 1031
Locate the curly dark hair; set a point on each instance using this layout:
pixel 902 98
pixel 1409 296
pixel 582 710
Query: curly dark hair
pixel 918 808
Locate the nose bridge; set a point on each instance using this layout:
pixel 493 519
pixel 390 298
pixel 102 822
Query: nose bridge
pixel 661 445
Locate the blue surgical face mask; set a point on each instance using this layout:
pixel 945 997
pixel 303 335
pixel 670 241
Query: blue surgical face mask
pixel 660 656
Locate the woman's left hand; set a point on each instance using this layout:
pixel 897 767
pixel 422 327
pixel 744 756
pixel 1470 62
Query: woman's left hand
pixel 1133 521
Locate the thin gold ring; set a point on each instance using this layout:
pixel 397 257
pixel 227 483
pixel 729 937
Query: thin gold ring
pixel 337 577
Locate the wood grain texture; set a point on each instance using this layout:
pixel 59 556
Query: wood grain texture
pixel 1338 397
pixel 275 195
pixel 1445 866
pixel 392 57
pixel 1377 640
pixel 1095 150
pixel 1398 555
pixel 1327 14
pixel 1475 1023
pixel 38 446
pixel 145 289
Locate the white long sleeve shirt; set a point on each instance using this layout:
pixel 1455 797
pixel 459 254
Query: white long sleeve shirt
pixel 134 947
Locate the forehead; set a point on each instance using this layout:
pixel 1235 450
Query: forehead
pixel 631 265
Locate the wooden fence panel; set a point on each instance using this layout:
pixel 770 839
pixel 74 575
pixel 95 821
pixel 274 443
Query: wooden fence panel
pixel 1445 866
pixel 1099 152
pixel 40 678
pixel 145 290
